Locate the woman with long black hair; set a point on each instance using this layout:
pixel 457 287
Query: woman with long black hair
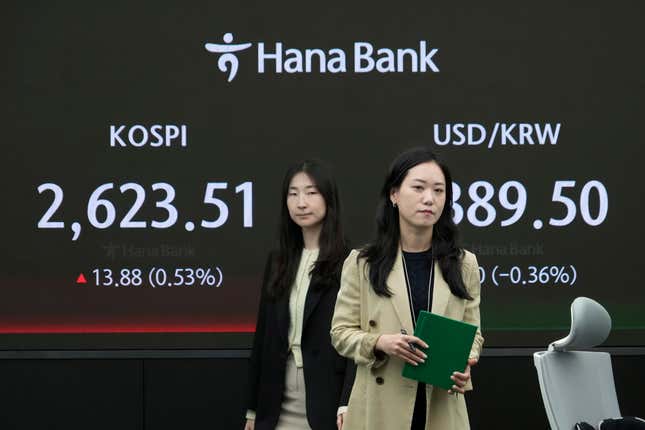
pixel 413 264
pixel 296 379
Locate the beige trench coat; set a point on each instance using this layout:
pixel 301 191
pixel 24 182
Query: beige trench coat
pixel 381 398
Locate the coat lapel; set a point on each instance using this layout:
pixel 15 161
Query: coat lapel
pixel 283 318
pixel 400 301
pixel 313 297
pixel 441 292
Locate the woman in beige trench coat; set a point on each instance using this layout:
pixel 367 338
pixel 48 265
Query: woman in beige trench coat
pixel 412 265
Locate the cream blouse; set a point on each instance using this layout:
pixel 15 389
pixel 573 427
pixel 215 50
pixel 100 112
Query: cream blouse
pixel 297 299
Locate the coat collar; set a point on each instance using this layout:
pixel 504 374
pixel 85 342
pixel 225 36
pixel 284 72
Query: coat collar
pixel 400 301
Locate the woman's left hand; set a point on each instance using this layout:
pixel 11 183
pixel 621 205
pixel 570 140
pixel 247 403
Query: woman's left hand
pixel 339 421
pixel 461 379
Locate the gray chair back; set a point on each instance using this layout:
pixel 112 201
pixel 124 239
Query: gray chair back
pixel 578 385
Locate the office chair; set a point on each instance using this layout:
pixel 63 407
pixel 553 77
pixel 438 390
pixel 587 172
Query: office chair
pixel 578 385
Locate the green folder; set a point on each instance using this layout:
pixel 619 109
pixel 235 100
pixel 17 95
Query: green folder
pixel 449 343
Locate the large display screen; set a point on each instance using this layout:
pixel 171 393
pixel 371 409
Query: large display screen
pixel 145 144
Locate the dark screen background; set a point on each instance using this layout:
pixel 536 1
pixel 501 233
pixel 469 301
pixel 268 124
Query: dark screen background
pixel 73 70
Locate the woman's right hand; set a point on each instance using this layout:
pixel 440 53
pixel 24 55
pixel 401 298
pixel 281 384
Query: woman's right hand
pixel 399 345
pixel 250 425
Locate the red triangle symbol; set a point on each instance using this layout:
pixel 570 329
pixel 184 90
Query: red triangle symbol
pixel 81 279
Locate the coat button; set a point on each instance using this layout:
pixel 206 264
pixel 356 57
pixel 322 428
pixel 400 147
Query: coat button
pixel 372 323
pixel 379 380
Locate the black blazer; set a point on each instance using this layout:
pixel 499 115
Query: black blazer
pixel 328 376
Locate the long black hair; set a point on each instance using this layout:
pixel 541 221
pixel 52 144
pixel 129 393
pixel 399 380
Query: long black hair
pixel 332 243
pixel 381 253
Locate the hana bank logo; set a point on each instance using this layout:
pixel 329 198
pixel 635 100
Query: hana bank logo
pixel 227 58
pixel 360 58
